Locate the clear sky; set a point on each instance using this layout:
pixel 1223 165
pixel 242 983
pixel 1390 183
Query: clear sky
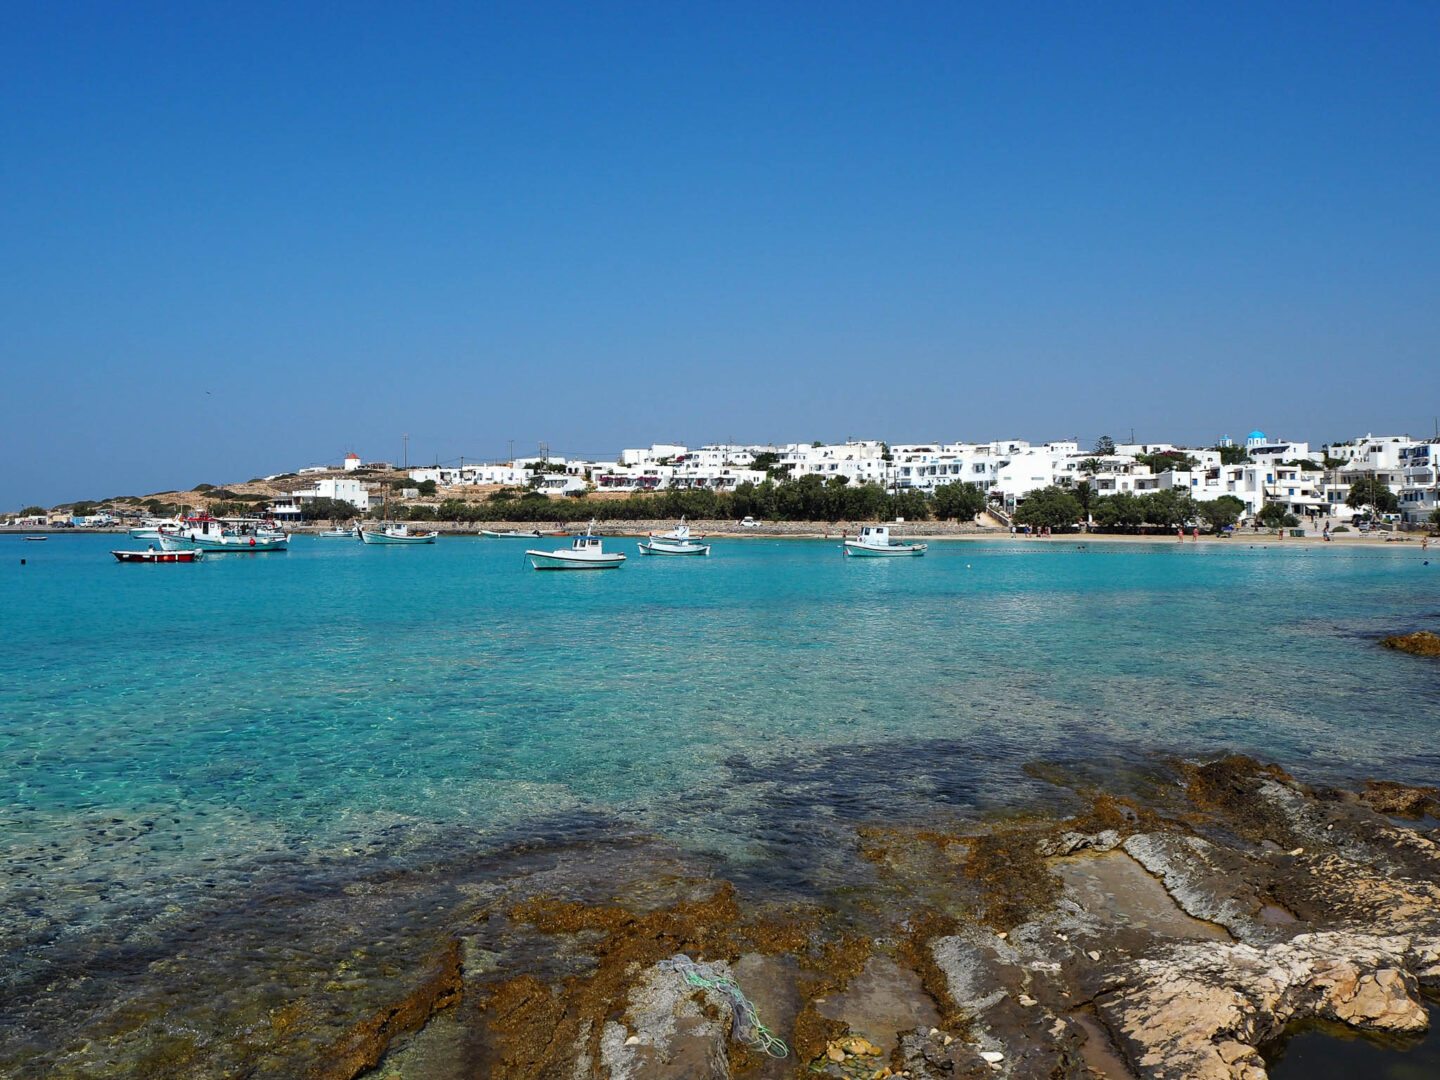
pixel 240 238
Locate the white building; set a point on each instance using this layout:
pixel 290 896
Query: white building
pixel 341 489
pixel 659 452
pixel 861 462
pixel 445 476
pixel 1419 490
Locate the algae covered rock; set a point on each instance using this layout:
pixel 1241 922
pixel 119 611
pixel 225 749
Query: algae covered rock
pixel 1420 643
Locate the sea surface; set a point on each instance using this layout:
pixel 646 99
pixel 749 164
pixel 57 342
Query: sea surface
pixel 176 732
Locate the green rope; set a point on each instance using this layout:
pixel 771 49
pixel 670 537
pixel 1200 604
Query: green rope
pixel 747 1026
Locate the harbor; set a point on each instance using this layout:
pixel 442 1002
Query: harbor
pixel 472 738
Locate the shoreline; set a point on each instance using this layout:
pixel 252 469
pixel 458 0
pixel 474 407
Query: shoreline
pixel 1125 927
pixel 811 530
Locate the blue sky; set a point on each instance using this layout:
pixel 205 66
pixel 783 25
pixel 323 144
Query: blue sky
pixel 235 239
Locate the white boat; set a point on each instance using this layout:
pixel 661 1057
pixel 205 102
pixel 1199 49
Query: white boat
pixel 209 534
pixel 678 541
pixel 338 533
pixel 585 553
pixel 395 533
pixel 680 534
pixel 874 542
pixel 150 529
pixel 672 547
pixel 510 534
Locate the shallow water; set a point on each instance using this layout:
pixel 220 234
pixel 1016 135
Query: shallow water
pixel 174 736
pixel 1317 1050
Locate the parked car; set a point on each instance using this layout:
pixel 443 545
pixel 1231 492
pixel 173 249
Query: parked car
pixel 748 522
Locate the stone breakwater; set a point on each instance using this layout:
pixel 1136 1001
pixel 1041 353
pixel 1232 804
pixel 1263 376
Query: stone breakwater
pixel 1164 934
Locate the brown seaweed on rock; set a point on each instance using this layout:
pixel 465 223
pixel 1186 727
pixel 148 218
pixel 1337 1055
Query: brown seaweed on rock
pixel 1420 643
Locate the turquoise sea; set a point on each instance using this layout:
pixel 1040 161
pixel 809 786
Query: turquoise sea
pixel 180 732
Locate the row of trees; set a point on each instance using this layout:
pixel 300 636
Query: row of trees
pixel 810 498
pixel 1062 510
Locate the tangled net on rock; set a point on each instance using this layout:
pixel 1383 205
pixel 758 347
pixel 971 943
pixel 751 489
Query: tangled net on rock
pixel 746 1025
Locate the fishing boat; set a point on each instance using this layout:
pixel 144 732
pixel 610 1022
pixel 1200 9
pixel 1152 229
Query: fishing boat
pixel 37 538
pixel 210 534
pixel 874 542
pixel 585 553
pixel 153 556
pixel 395 533
pixel 678 541
pixel 509 534
pixel 338 532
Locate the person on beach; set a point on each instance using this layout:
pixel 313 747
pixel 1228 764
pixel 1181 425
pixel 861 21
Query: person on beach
pixel 1180 534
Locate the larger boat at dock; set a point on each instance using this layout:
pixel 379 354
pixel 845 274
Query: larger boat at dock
pixel 240 536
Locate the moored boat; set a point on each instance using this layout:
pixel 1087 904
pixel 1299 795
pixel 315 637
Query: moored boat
pixel 511 534
pixel 395 533
pixel 150 528
pixel 585 553
pixel 874 542
pixel 153 556
pixel 210 534
pixel 338 532
pixel 678 541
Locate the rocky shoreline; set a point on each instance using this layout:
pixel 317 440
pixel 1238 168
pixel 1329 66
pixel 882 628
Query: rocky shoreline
pixel 1164 933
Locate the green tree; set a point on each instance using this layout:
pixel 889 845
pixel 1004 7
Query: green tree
pixel 33 511
pixel 765 461
pixel 911 505
pixel 1166 460
pixel 1084 495
pixel 327 510
pixel 1373 492
pixel 426 488
pixel 1274 516
pixel 1104 446
pixel 1221 513
pixel 1434 516
pixel 1052 507
pixel 1121 512
pixel 1232 455
pixel 1167 508
pixel 961 501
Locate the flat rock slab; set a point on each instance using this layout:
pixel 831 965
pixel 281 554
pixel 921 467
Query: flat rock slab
pixel 772 985
pixel 882 1002
pixel 1114 888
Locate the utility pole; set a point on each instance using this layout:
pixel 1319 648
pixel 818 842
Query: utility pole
pixel 512 452
pixel 405 451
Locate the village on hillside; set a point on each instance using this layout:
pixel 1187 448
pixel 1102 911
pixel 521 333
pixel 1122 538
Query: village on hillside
pixel 1385 480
